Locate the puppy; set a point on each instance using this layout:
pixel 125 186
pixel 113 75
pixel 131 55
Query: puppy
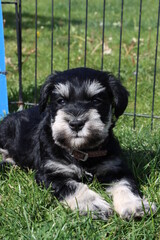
pixel 68 140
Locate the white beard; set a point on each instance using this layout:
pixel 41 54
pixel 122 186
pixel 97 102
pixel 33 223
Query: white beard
pixel 84 138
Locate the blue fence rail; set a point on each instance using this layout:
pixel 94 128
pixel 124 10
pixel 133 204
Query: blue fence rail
pixel 3 83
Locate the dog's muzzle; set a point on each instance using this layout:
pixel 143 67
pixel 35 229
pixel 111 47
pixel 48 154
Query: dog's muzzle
pixel 80 130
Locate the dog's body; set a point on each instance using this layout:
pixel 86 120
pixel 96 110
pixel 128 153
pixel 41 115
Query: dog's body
pixel 69 141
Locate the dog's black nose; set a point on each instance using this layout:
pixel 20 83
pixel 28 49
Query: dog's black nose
pixel 76 125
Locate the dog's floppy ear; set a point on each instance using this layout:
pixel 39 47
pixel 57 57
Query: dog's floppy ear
pixel 120 95
pixel 46 91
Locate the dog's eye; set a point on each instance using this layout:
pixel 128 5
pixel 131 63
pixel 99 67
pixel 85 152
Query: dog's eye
pixel 96 100
pixel 61 101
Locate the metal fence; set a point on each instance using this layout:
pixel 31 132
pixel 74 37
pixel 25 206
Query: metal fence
pixel 17 6
pixel 19 29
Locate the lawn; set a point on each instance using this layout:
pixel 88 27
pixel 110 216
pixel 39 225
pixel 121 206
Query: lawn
pixel 26 210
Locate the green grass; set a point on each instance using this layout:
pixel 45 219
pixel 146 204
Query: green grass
pixel 26 210
pixel 29 212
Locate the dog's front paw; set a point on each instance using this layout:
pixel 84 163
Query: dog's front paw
pixel 99 208
pixel 136 209
pixel 127 203
pixel 86 200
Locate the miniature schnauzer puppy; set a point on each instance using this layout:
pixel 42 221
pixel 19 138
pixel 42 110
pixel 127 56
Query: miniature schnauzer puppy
pixel 68 140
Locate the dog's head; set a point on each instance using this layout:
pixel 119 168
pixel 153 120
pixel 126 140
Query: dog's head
pixel 82 102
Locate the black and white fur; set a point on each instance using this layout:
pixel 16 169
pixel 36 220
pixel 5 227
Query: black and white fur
pixel 77 110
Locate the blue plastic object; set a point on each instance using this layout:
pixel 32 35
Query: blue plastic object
pixel 3 83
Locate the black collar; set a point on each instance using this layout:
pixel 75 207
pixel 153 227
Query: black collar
pixel 83 156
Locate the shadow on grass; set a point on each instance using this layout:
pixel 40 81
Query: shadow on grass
pixel 142 163
pixel 28 21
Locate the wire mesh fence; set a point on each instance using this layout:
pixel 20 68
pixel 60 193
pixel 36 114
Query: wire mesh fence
pixel 122 50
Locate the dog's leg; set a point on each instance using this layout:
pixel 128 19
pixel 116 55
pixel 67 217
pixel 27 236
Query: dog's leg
pixel 65 181
pixel 6 159
pixel 126 200
pixel 86 200
pixel 123 189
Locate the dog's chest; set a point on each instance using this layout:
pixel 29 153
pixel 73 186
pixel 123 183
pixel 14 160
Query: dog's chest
pixel 91 168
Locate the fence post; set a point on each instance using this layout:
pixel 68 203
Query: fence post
pixel 19 50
